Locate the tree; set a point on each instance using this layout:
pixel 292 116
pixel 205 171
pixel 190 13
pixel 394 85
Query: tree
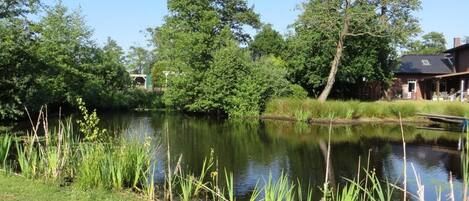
pixel 71 58
pixel 431 43
pixel 325 24
pixel 14 8
pixel 267 42
pixel 187 41
pixel 139 60
pixel 235 14
pixel 54 61
pixel 18 62
pixel 229 85
pixel 113 66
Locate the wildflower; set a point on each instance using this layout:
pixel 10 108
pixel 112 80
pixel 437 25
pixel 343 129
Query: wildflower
pixel 214 174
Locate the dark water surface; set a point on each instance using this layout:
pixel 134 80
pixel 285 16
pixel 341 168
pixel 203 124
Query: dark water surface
pixel 254 149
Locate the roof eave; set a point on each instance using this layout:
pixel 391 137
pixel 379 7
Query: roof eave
pixel 457 48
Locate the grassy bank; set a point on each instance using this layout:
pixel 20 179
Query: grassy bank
pixel 303 110
pixel 19 188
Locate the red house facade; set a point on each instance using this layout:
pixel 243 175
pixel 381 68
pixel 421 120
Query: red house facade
pixel 434 77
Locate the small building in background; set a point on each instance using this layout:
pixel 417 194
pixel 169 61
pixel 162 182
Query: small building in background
pixel 140 80
pixel 410 78
pixel 434 77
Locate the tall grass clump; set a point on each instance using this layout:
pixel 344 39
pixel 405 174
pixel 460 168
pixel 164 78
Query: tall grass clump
pixel 280 190
pixel 5 143
pixel 95 161
pixel 49 156
pixel 310 108
pixel 114 166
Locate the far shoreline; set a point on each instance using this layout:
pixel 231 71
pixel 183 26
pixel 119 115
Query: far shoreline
pixel 338 122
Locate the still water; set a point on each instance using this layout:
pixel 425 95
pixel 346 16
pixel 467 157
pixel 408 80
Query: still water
pixel 254 149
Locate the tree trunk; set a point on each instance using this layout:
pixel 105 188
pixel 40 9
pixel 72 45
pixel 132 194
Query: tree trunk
pixel 338 56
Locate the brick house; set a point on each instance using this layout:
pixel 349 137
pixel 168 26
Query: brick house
pixel 433 77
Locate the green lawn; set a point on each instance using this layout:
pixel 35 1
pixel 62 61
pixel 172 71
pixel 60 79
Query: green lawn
pixel 18 188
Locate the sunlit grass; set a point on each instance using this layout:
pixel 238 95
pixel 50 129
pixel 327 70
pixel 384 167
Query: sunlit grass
pixel 310 108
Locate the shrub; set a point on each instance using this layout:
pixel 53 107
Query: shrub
pixel 89 124
pixel 298 92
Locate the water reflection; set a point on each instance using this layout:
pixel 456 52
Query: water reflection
pixel 253 149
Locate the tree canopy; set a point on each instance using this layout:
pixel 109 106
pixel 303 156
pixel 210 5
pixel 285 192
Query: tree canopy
pixel 267 42
pixel 431 43
pixel 54 61
pixel 190 41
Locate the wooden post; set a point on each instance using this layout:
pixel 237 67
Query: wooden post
pixel 462 90
pixel 437 89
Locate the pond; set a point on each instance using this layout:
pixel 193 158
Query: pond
pixel 254 150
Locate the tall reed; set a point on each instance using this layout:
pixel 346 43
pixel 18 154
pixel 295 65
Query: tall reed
pixel 465 166
pixel 280 190
pixel 5 143
pixel 114 166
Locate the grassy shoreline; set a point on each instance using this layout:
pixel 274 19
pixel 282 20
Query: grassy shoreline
pixel 351 112
pixel 335 121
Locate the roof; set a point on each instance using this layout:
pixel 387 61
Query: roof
pixel 425 64
pixel 457 48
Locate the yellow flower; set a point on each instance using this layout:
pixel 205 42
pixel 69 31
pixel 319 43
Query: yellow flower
pixel 214 174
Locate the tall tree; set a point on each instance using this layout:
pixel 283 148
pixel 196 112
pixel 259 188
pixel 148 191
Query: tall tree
pixel 113 66
pixel 431 43
pixel 193 31
pixel 71 57
pixel 139 60
pixel 17 65
pixel 17 59
pixel 336 22
pixel 267 42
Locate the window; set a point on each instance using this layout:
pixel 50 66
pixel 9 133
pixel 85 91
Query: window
pixel 412 85
pixel 425 62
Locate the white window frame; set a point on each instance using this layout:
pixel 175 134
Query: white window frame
pixel 414 82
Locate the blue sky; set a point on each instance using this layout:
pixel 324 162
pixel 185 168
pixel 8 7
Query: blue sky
pixel 124 20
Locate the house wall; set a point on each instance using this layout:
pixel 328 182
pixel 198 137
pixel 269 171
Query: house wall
pixel 399 89
pixel 462 60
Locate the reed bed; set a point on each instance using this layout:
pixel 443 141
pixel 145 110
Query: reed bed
pixel 303 109
pixel 65 157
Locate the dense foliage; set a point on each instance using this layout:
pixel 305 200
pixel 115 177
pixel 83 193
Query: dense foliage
pixel 54 61
pixel 203 59
pixel 267 42
pixel 431 43
pixel 200 45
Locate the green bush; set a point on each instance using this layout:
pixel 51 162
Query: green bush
pixel 298 92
